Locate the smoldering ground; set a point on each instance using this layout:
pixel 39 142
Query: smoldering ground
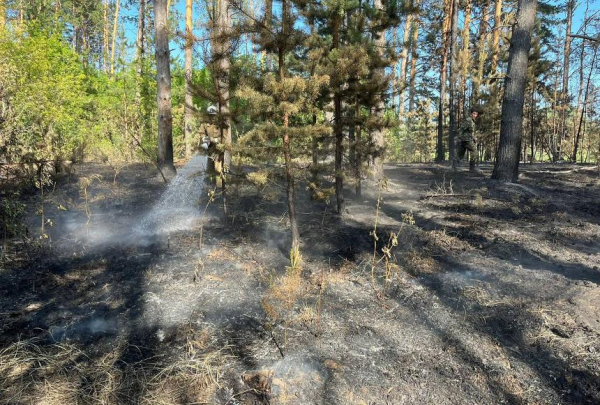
pixel 487 298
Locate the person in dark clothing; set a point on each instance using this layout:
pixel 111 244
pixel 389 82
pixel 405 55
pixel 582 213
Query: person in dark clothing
pixel 468 141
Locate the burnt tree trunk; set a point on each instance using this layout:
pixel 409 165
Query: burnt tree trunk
pixel 506 167
pixel 163 83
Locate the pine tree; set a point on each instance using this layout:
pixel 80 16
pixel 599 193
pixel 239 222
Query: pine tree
pixel 163 79
pixel 283 104
pixel 507 165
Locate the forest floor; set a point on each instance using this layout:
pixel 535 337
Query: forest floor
pixel 491 295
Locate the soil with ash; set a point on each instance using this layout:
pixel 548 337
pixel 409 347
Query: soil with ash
pixel 477 293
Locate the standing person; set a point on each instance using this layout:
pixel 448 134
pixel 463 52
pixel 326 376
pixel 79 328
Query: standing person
pixel 468 141
pixel 211 144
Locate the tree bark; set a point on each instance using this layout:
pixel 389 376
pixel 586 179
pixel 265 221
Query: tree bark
pixel 105 39
pixel 496 37
pixel 189 102
pixel 338 128
pixel 414 57
pixel 506 167
pixel 448 10
pixel 114 37
pixel 404 64
pixel 163 81
pixel 377 136
pixel 481 54
pixel 453 79
pixel 564 95
pixel 465 55
pixel 286 142
pixel 584 109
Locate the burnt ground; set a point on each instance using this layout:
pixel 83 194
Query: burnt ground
pixel 490 295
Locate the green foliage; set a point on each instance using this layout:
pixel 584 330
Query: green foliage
pixel 42 84
pixel 11 210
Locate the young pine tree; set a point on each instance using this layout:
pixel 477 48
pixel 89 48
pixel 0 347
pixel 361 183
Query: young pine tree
pixel 283 104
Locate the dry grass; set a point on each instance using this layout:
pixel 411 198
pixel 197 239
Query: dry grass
pixel 33 373
pixel 420 263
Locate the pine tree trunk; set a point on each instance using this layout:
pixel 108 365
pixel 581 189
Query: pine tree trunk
pixel 114 37
pixel 404 65
pixel 286 144
pixel 531 121
pixel 163 82
pixel 189 103
pixel 105 39
pixel 481 54
pixel 495 89
pixel 555 102
pixel 139 55
pixel 448 9
pixel 377 136
pixel 465 56
pixel 222 77
pixel 357 156
pixel 338 128
pixel 564 95
pixel 507 163
pixel 496 37
pixel 584 109
pixel 453 79
pixel 414 57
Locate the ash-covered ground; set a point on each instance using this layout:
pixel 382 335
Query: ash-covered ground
pixel 476 293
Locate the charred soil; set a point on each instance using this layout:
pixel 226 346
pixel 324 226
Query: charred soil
pixel 477 292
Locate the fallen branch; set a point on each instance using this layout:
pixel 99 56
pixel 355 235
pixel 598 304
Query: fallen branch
pixel 426 197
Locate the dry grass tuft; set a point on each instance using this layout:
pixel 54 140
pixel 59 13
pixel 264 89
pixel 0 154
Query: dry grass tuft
pixel 34 373
pixel 420 263
pixel 285 291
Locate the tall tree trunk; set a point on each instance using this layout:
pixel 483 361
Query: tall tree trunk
pixel 532 121
pixel 163 84
pixel 506 167
pixel 495 90
pixel 377 136
pixel 555 103
pixel 453 79
pixel 286 141
pixel 585 102
pixel 140 47
pixel 496 37
pixel 403 59
pixel 481 54
pixel 221 48
pixel 189 102
pixel 465 55
pixel 564 94
pixel 446 25
pixel 114 37
pixel 414 57
pixel 358 156
pixel 338 128
pixel 105 37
